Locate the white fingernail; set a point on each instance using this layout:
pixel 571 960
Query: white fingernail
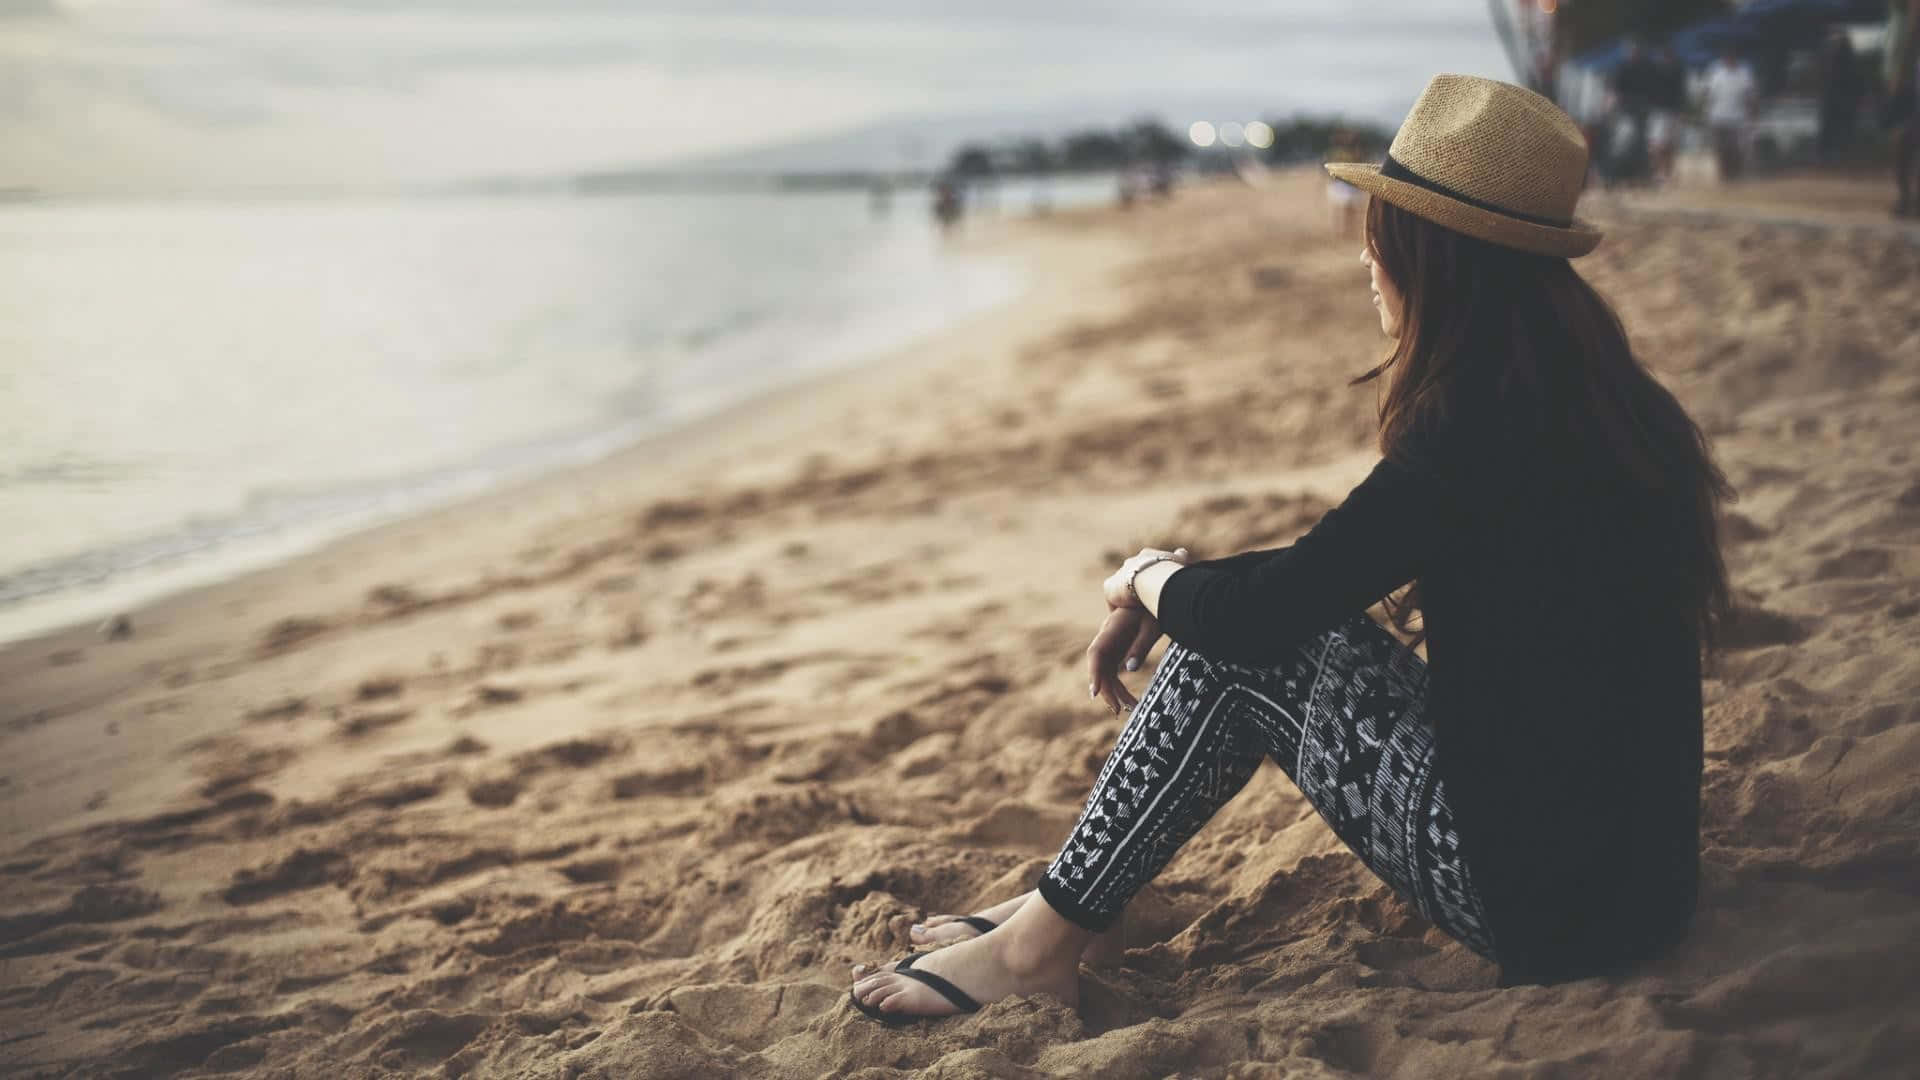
pixel 1133 663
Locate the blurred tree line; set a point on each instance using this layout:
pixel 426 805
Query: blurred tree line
pixel 1308 138
pixel 1147 142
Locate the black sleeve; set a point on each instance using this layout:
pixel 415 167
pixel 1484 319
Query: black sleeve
pixel 1242 561
pixel 1251 608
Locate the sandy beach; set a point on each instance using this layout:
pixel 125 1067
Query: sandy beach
pixel 616 773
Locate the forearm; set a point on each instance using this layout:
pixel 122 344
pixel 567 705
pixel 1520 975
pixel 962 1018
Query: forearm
pixel 1256 610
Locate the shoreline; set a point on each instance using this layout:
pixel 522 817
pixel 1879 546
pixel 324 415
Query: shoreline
pixel 701 428
pixel 169 536
pixel 70 667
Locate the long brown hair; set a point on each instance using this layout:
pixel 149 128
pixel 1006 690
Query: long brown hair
pixel 1480 322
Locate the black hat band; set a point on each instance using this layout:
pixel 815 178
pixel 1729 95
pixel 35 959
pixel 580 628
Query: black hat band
pixel 1393 170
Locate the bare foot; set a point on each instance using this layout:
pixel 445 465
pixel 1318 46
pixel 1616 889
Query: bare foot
pixel 1034 952
pixel 1104 950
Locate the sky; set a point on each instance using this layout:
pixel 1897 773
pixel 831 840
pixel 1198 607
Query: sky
pixel 214 95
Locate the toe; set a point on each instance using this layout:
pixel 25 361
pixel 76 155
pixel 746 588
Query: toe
pixel 887 980
pixel 946 934
pixel 910 997
pixel 882 990
pixel 862 972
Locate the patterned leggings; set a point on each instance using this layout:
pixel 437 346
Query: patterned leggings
pixel 1342 716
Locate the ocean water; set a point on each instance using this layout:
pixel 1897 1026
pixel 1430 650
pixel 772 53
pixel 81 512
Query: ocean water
pixel 188 390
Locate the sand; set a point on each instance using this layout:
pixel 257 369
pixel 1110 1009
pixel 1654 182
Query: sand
pixel 617 773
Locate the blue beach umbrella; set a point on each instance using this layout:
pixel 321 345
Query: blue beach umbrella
pixel 1698 44
pixel 1819 11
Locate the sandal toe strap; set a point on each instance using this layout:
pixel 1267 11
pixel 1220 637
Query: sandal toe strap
pixel 960 999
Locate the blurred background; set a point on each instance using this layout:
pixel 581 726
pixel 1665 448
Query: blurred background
pixel 274 270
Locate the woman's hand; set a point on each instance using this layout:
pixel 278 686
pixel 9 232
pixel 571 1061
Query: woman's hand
pixel 1115 587
pixel 1123 641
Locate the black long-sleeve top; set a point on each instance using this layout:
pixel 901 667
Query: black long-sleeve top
pixel 1563 677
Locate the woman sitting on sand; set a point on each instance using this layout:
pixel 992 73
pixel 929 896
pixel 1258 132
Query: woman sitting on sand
pixel 1533 789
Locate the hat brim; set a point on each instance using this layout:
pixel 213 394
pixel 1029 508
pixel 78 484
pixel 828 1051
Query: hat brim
pixel 1489 225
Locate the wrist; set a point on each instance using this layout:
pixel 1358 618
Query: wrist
pixel 1149 581
pixel 1132 575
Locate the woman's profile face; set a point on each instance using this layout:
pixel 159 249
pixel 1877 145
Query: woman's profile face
pixel 1386 298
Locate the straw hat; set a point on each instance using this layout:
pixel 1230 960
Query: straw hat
pixel 1488 159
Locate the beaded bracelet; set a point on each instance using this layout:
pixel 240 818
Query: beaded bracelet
pixel 1136 573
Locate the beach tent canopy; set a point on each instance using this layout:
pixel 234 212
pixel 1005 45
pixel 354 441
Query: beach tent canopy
pixel 1753 24
pixel 1697 45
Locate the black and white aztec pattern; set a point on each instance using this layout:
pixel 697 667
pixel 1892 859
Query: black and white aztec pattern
pixel 1343 717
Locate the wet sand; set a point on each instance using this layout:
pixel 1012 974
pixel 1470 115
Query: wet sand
pixel 618 772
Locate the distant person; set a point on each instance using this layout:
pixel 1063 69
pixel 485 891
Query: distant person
pixel 1730 96
pixel 1841 88
pixel 1533 790
pixel 1160 180
pixel 1634 87
pixel 946 203
pixel 1667 112
pixel 1901 113
pixel 1345 203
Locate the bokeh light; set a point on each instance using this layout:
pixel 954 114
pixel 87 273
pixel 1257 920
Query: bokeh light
pixel 1259 134
pixel 1232 133
pixel 1201 133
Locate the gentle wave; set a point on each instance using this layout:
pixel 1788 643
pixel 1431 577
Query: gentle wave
pixel 616 342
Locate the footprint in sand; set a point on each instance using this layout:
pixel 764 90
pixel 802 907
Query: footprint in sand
pixel 1749 626
pixel 290 633
pixel 284 709
pixel 570 753
pixel 495 792
pixel 305 868
pixel 977 621
pixel 360 724
pixel 781 815
pixel 235 764
pixel 592 871
pixel 514 621
pixel 1853 564
pixel 734 678
pixel 687 779
pixel 377 687
pixel 1019 824
pixel 502 788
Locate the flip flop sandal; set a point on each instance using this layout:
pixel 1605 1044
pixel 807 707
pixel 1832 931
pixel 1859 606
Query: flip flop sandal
pixel 978 922
pixel 946 990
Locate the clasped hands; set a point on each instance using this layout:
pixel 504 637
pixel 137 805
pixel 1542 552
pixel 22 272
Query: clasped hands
pixel 1128 633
